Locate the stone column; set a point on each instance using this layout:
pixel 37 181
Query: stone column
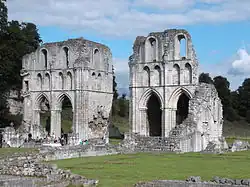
pixel 170 120
pixel 55 123
pixel 36 123
pixel 143 126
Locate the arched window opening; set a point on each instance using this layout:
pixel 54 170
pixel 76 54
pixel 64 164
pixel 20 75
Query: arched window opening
pixel 181 47
pixel 47 82
pixel 66 56
pixel 158 75
pixel 69 81
pixel 188 74
pixel 45 58
pixel 93 74
pixel 66 116
pixel 176 74
pixel 96 58
pixel 61 81
pixel 44 114
pixel 146 76
pixel 182 108
pixel 154 116
pixel 151 50
pixel 39 81
pixel 99 82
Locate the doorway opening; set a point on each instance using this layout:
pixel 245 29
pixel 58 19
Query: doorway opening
pixel 154 115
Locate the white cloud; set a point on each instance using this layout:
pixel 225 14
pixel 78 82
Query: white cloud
pixel 126 18
pixel 235 69
pixel 241 66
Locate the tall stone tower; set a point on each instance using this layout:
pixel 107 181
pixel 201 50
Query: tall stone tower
pixel 163 78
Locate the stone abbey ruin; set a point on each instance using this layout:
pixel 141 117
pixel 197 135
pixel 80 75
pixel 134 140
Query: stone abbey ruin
pixel 168 107
pixel 166 97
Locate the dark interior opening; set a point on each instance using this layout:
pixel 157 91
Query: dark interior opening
pixel 182 109
pixel 154 116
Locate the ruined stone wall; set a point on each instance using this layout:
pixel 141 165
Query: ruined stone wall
pixel 169 183
pixel 156 67
pixel 205 118
pixel 77 69
pixel 31 165
pixel 14 102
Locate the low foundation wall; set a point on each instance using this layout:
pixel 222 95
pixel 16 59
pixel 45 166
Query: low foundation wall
pixel 183 184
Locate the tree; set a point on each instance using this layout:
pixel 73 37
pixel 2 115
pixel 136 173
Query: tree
pixel 3 17
pixel 115 96
pixel 205 78
pixel 17 39
pixel 222 86
pixel 244 97
pixel 122 104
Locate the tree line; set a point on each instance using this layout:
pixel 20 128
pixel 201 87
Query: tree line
pixel 236 104
pixel 16 40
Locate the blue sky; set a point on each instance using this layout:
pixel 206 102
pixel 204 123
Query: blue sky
pixel 219 28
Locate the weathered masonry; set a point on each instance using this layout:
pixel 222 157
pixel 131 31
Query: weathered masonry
pixel 77 72
pixel 165 92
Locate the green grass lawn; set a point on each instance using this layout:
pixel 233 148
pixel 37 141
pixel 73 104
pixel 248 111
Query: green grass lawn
pixel 126 170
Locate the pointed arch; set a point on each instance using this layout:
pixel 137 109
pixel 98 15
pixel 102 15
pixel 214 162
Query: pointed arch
pixel 44 57
pixel 47 81
pixel 146 95
pixel 157 76
pixel 96 58
pixel 61 81
pixel 39 81
pixel 176 74
pixel 39 99
pixel 188 73
pixel 146 76
pixel 69 81
pixel 176 94
pixel 66 56
pixel 60 99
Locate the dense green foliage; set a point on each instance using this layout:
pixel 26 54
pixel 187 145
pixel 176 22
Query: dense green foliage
pixel 236 104
pixel 16 40
pixel 126 170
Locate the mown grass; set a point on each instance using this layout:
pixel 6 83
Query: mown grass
pixel 126 170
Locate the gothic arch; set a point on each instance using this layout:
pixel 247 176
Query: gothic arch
pixel 69 81
pixel 146 95
pixel 176 75
pixel 146 76
pixel 188 73
pixel 38 100
pixel 176 94
pixel 44 57
pixel 47 81
pixel 61 81
pixel 157 75
pixel 60 99
pixel 39 80
pixel 65 50
pixel 97 58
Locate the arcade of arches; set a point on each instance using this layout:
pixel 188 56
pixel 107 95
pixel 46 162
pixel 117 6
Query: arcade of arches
pixel 154 113
pixel 65 113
